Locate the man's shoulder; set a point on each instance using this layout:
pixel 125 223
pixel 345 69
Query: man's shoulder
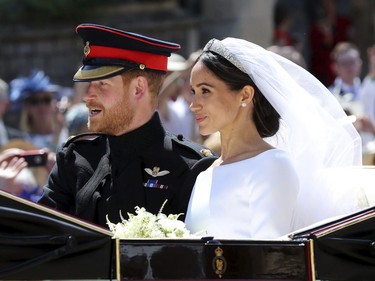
pixel 89 146
pixel 180 143
pixel 85 138
pixel 86 144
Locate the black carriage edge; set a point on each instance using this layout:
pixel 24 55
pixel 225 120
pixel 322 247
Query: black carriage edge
pixel 40 243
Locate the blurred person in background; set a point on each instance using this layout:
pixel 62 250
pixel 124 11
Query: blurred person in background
pixel 36 100
pixel 347 66
pixel 282 24
pixel 76 119
pixel 347 86
pixel 76 113
pixel 365 122
pixel 368 87
pixel 6 132
pixel 79 91
pixel 289 52
pixel 327 30
pixel 19 175
pixel 10 167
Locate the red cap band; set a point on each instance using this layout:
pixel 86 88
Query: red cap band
pixel 152 61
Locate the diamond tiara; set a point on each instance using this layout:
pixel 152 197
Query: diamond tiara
pixel 218 47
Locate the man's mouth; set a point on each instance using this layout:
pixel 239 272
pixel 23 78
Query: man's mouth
pixel 94 111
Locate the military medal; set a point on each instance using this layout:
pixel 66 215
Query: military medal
pixel 155 172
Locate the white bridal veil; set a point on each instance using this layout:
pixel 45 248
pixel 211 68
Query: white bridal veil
pixel 314 130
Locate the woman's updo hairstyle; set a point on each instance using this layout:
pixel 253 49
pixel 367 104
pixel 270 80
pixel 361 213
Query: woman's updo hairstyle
pixel 266 118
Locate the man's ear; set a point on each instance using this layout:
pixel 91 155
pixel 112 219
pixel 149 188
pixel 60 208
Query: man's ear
pixel 141 86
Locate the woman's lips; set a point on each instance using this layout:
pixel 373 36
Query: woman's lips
pixel 200 118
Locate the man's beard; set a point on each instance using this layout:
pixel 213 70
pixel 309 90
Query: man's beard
pixel 115 120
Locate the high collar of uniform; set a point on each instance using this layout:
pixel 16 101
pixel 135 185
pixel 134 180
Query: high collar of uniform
pixel 138 139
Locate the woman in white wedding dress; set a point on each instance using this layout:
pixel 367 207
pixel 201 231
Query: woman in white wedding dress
pixel 281 130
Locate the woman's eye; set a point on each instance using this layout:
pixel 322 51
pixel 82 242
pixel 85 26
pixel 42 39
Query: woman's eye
pixel 205 91
pixel 200 91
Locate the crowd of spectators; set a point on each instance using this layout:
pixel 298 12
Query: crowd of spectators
pixel 36 116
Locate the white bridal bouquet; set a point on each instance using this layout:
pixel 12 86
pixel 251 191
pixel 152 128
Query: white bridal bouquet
pixel 147 225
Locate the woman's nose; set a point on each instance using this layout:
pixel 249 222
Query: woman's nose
pixel 194 106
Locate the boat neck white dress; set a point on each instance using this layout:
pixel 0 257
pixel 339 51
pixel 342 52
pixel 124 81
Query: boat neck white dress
pixel 252 198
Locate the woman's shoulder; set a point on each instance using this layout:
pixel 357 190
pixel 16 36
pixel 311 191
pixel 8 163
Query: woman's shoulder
pixel 272 160
pixel 277 156
pixel 267 158
pixel 276 161
pixel 278 169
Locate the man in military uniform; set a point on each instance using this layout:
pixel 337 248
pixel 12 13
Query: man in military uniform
pixel 130 160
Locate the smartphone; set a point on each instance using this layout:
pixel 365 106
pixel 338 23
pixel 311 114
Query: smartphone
pixel 34 158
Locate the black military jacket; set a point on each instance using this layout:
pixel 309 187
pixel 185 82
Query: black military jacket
pixel 106 175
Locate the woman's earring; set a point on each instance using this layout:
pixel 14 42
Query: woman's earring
pixel 243 104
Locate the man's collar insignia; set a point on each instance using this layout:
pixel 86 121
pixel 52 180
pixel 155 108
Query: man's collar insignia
pixel 155 172
pixel 206 152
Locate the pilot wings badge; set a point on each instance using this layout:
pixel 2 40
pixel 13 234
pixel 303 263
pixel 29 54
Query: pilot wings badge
pixel 155 172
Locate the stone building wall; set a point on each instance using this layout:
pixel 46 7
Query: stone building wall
pixel 55 48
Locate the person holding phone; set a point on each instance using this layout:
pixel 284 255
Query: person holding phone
pixel 24 169
pixel 18 174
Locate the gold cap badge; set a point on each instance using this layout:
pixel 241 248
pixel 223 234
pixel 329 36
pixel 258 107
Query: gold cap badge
pixel 86 49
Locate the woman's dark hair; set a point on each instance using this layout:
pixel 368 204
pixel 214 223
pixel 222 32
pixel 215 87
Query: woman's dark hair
pixel 266 118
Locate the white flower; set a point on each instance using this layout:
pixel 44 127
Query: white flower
pixel 147 225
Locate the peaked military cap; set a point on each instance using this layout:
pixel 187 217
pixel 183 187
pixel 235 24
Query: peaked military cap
pixel 109 52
